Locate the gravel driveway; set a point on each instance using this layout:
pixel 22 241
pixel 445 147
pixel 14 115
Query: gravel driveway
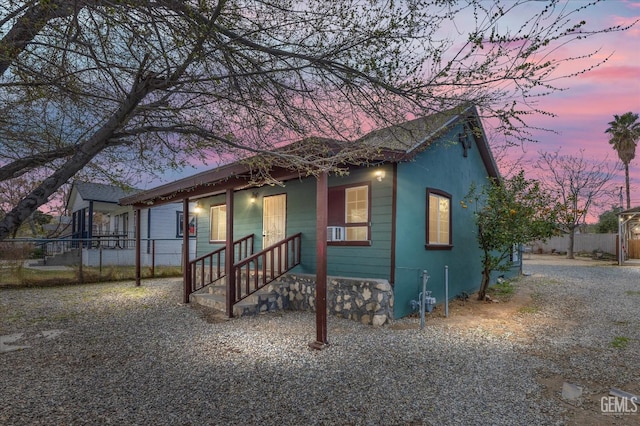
pixel 116 354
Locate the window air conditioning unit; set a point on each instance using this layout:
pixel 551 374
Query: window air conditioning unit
pixel 335 233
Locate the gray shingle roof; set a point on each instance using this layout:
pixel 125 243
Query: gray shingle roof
pixel 631 210
pixel 394 144
pixel 101 192
pixel 410 135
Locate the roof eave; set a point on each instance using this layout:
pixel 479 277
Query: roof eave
pixel 235 176
pixel 185 185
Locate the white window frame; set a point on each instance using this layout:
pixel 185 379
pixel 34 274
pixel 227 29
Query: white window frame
pixel 220 224
pixel 444 229
pixel 354 228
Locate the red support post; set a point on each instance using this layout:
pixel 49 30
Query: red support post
pixel 186 270
pixel 229 255
pixel 321 261
pixel 138 244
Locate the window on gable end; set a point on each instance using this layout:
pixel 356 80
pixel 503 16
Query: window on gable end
pixel 439 225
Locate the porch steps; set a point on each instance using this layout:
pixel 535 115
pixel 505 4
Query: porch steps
pixel 262 301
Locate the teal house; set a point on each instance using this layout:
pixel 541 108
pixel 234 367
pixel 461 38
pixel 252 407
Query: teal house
pixel 386 222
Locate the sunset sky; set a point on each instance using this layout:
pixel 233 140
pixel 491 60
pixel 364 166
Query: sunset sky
pixel 585 109
pixel 590 100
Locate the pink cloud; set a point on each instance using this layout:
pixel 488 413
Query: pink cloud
pixel 607 74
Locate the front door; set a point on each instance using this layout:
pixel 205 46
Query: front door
pixel 274 220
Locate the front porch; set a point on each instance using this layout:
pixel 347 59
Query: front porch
pixel 224 182
pixel 262 282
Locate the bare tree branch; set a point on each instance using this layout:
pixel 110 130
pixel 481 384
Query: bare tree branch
pixel 156 83
pixel 578 184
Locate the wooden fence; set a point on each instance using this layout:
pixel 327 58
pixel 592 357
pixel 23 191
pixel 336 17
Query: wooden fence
pixel 583 243
pixel 634 249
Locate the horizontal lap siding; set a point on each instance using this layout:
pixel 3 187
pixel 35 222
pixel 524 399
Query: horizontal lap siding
pixel 366 262
pixel 164 221
pixel 442 166
pixel 163 228
pixel 301 217
pixel 356 261
pixel 247 216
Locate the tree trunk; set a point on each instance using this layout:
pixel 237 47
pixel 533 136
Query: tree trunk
pixel 572 237
pixel 626 176
pixel 486 276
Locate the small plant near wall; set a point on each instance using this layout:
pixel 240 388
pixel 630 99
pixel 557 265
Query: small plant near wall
pixel 503 290
pixel 508 212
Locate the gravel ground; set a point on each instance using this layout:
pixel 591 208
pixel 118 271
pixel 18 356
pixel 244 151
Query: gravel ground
pixel 117 354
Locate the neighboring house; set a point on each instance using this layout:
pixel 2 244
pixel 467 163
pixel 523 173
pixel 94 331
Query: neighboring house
pixel 59 227
pixel 387 222
pixel 105 230
pixel 630 234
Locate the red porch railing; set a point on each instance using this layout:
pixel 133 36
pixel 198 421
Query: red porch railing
pixel 209 268
pixel 258 270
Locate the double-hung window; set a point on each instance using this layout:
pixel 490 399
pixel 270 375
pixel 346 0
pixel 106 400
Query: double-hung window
pixel 218 225
pixel 349 207
pixel 438 220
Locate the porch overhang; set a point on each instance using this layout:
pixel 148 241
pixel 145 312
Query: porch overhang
pixel 212 182
pixel 235 176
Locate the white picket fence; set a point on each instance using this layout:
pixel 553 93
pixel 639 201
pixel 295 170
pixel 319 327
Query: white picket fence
pixel 586 243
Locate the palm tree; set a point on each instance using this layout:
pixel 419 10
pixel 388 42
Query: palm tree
pixel 625 133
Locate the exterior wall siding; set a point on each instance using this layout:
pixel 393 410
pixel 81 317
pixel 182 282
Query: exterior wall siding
pixel 160 224
pixel 350 261
pixel 441 166
pixel 163 228
pixel 372 261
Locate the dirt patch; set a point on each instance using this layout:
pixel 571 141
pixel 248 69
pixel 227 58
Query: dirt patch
pixel 587 411
pixel 497 316
pixel 514 318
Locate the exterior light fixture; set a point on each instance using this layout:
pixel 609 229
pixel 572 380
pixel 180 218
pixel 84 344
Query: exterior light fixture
pixel 198 208
pixel 254 197
pixel 380 174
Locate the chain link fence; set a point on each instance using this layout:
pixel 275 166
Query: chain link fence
pixel 40 262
